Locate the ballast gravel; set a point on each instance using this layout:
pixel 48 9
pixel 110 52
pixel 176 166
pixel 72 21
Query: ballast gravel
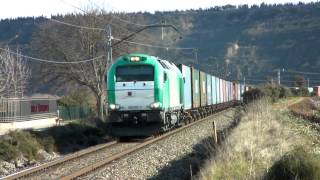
pixel 73 165
pixel 175 157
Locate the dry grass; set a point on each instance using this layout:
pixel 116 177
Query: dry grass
pixel 262 138
pixel 304 107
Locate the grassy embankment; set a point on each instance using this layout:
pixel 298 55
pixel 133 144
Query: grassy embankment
pixel 61 139
pixel 308 108
pixel 269 143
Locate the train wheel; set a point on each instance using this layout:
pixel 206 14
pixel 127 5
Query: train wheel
pixel 199 116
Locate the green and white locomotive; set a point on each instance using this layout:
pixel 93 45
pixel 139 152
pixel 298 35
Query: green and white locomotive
pixel 147 95
pixel 143 91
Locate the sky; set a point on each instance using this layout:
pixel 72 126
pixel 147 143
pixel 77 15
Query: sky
pixel 24 8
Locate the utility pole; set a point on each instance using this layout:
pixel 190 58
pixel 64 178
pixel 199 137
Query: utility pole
pixel 163 23
pixel 109 43
pixel 308 82
pixel 244 81
pixel 196 55
pixel 279 77
pixel 109 58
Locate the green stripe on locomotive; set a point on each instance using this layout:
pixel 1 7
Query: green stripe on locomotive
pixel 166 92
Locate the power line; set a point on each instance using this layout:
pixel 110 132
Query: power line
pixel 265 80
pixel 154 46
pixel 128 22
pixel 85 12
pixel 120 19
pixel 123 20
pixel 301 72
pixel 77 26
pixel 51 61
pixel 76 7
pixel 118 39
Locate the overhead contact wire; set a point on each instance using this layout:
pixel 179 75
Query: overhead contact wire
pixel 51 61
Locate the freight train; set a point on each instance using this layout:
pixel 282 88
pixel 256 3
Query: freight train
pixel 148 95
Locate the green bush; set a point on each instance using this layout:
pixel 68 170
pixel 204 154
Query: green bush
pixel 64 139
pixel 285 92
pixel 297 164
pixel 76 105
pixel 252 94
pixel 18 143
pixel 8 152
pixel 48 143
pixel 273 92
pixel 71 137
pixel 301 92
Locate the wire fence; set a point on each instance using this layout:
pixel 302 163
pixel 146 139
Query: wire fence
pixel 27 109
pixel 74 112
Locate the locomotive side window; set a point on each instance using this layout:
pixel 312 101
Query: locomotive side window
pixel 135 73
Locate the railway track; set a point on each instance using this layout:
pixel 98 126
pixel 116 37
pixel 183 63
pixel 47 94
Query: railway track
pixel 61 166
pixel 105 162
pixel 60 169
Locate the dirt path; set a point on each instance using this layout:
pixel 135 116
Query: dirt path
pixel 284 104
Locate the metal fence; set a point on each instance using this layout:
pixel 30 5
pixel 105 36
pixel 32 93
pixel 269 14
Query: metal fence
pixel 74 112
pixel 26 109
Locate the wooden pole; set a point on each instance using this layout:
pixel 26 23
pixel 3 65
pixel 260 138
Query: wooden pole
pixel 215 136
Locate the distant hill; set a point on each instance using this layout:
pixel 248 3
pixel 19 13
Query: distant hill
pixel 232 42
pixel 257 40
pixel 18 31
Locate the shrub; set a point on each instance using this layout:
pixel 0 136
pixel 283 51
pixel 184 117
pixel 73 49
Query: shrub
pixel 48 143
pixel 272 91
pixel 301 92
pixel 71 137
pixel 18 143
pixel 285 92
pixel 252 94
pixel 7 151
pixel 26 143
pixel 297 164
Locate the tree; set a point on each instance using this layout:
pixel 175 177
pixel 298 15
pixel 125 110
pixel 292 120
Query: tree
pixel 299 81
pixel 4 73
pixel 14 74
pixel 67 43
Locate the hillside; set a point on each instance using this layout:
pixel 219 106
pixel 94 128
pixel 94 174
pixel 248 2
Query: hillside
pixel 231 42
pixel 268 143
pixel 257 40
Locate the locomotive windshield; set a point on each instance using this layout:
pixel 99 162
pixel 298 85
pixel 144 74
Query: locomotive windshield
pixel 134 73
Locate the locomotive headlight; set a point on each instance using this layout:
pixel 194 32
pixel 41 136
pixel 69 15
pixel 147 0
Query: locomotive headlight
pixel 155 105
pixel 135 59
pixel 114 106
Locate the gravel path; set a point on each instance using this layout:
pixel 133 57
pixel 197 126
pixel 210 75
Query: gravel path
pixel 67 168
pixel 175 157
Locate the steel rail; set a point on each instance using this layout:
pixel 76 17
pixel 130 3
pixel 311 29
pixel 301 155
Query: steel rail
pixel 104 162
pixel 51 164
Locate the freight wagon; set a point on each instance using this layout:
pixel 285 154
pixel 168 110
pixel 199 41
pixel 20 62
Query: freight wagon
pixel 147 95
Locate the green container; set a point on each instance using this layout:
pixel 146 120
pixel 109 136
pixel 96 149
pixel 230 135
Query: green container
pixel 203 89
pixel 195 88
